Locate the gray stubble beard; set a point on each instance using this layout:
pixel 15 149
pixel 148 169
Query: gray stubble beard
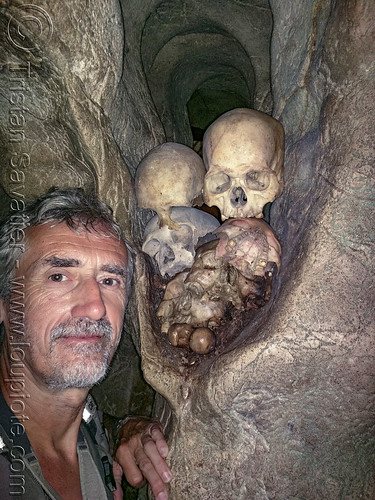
pixel 89 363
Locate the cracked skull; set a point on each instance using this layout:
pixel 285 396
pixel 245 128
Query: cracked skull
pixel 174 249
pixel 243 151
pixel 170 175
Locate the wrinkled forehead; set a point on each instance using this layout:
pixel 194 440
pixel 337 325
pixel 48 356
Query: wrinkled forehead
pixel 54 238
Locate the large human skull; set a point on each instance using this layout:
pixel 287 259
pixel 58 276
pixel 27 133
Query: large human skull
pixel 243 151
pixel 174 249
pixel 170 175
pixel 250 245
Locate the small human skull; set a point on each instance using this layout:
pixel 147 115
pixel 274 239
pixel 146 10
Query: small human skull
pixel 250 245
pixel 174 249
pixel 212 277
pixel 196 302
pixel 197 297
pixel 243 152
pixel 200 340
pixel 170 175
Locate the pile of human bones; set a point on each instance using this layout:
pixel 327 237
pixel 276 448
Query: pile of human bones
pixel 213 271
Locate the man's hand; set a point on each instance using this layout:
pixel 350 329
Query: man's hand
pixel 118 494
pixel 141 452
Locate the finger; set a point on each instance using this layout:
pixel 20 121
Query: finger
pixel 118 494
pixel 126 458
pixel 155 433
pixel 141 453
pixel 156 449
pixel 152 464
pixel 150 472
pixel 160 442
pixel 158 462
pixel 117 474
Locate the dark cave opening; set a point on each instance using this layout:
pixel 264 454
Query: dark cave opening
pixel 200 62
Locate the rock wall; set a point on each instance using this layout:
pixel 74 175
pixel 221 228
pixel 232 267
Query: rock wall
pixel 286 410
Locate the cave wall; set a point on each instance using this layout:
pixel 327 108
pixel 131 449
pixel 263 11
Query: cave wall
pixel 62 75
pixel 287 410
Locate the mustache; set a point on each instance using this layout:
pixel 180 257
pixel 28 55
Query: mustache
pixel 82 327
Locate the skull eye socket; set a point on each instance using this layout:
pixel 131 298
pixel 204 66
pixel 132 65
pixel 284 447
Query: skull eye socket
pixel 257 180
pixel 218 183
pixel 152 247
pixel 184 237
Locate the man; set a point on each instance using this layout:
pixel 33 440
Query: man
pixel 64 284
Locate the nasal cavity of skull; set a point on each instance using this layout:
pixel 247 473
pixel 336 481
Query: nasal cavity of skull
pixel 257 180
pixel 238 197
pixel 166 255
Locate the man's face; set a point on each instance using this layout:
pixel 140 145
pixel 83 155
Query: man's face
pixel 74 304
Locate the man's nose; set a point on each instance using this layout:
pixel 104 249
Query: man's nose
pixel 88 301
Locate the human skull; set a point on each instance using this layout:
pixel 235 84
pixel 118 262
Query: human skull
pixel 198 301
pixel 170 175
pixel 174 249
pixel 197 297
pixel 212 277
pixel 250 245
pixel 201 340
pixel 243 151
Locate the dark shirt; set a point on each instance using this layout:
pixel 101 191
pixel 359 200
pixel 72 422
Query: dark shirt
pixel 20 472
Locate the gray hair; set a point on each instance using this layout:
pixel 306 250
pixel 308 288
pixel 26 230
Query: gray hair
pixel 78 209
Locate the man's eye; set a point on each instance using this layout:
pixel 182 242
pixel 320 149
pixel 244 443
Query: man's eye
pixel 57 277
pixel 109 281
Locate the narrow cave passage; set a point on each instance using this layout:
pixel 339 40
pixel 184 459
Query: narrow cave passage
pixel 201 60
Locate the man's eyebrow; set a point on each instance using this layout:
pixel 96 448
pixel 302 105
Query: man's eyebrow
pixel 114 269
pixel 56 261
